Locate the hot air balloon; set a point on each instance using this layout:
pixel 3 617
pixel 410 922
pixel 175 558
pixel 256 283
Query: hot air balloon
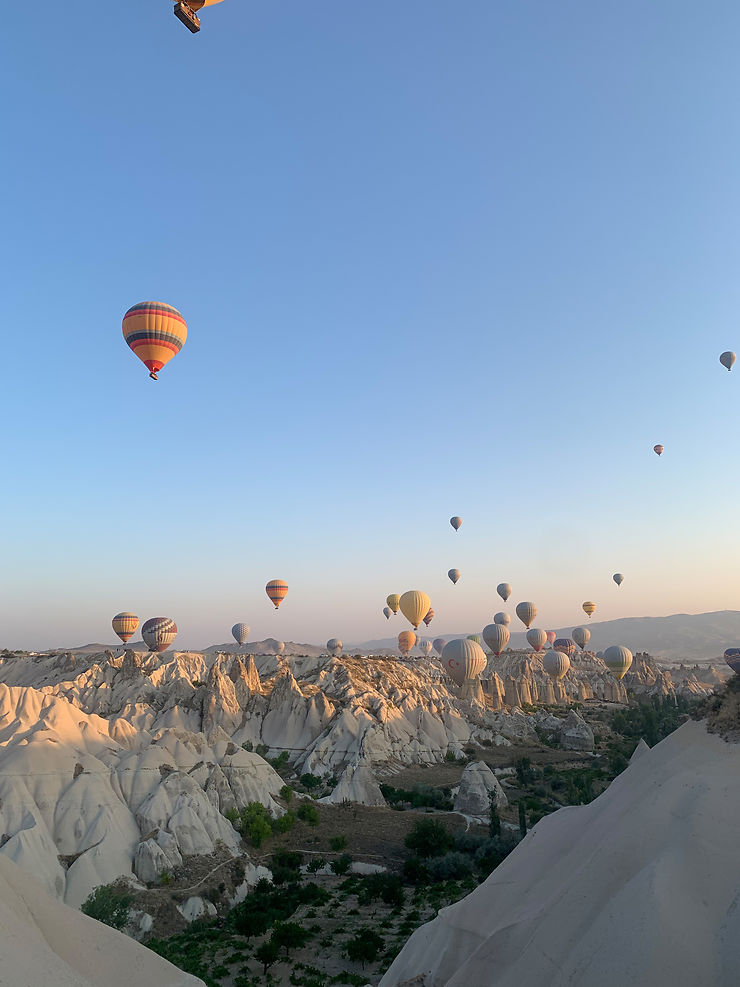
pixel 429 617
pixel 526 612
pixel 415 605
pixel 600 655
pixel 426 647
pixel 589 608
pixel 393 601
pixel 658 450
pixel 277 590
pixel 185 12
pixel 159 633
pixel 581 635
pixel 454 575
pixel 536 638
pixel 241 633
pixel 387 613
pixel 565 646
pixel 618 660
pixel 502 618
pixel 732 655
pixel 439 644
pixel 124 624
pixel 155 332
pixel 279 647
pixel 504 591
pixel 474 637
pixel 727 359
pixel 463 660
pixel 334 646
pixel 556 664
pixel 496 637
pixel 406 641
pixel 618 578
pixel 551 635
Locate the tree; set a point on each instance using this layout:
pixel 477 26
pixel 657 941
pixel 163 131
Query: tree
pixel 109 905
pixel 342 864
pixel 494 823
pixel 286 793
pixel 267 954
pixel 429 838
pixel 522 819
pixel 251 923
pixel 289 935
pixel 364 946
pixel 309 813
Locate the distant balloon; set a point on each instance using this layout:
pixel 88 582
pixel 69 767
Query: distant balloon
pixel 732 655
pixel 536 638
pixel 159 633
pixel 415 605
pixel 387 612
pixel 279 647
pixel 589 608
pixel 429 617
pixel 463 660
pixel 618 578
pixel 241 633
pixel 526 612
pixel 155 332
pixel 277 590
pixel 454 575
pixel 658 449
pixel 502 618
pixel 581 635
pixel 456 522
pixel 125 624
pixel 393 601
pixel 334 646
pixel 565 646
pixel 600 654
pixel 406 641
pixel 496 637
pixel 618 660
pixel 556 664
pixel 474 637
pixel 727 359
pixel 551 635
pixel 504 591
pixel 426 647
pixel 439 644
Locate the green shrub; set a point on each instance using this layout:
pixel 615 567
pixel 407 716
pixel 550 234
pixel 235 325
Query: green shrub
pixel 338 843
pixel 451 867
pixel 283 824
pixel 310 781
pixel 108 904
pixel 364 946
pixel 309 813
pixel 342 864
pixel 429 838
pixel 286 793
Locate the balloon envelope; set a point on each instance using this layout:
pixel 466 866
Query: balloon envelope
pixel 556 664
pixel 426 647
pixel 241 633
pixel 393 601
pixel 732 657
pixel 279 647
pixel 727 359
pixel 456 522
pixel 124 624
pixel 526 612
pixel 474 637
pixel 155 332
pixel 551 635
pixel 463 660
pixel 658 449
pixel 277 590
pixel 159 633
pixel 429 617
pixel 618 660
pixel 439 644
pixel 565 646
pixel 415 605
pixel 536 638
pixel 334 646
pixel 618 578
pixel 581 635
pixel 387 612
pixel 504 591
pixel 502 618
pixel 406 641
pixel 496 637
pixel 454 575
pixel 589 608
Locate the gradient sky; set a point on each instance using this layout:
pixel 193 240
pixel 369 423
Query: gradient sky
pixel 435 259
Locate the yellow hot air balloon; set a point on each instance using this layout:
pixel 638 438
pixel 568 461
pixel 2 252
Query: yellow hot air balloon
pixel 155 332
pixel 415 605
pixel 393 601
pixel 589 608
pixel 618 660
pixel 124 624
pixel 277 590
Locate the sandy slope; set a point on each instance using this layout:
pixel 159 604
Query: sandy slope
pixel 43 942
pixel 639 887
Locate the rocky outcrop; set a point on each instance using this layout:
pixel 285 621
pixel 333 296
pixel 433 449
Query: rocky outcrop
pixel 479 790
pixel 356 784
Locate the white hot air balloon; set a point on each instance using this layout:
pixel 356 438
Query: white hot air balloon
pixel 334 646
pixel 496 637
pixel 581 635
pixel 526 612
pixel 536 638
pixel 618 660
pixel 556 664
pixel 241 633
pixel 502 618
pixel 504 591
pixel 463 660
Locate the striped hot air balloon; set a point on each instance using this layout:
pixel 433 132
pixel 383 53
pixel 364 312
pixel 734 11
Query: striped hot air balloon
pixel 456 522
pixel 526 612
pixel 414 606
pixel 454 575
pixel 504 591
pixel 334 646
pixel 426 647
pixel 475 637
pixel 502 618
pixel 556 664
pixel 125 624
pixel 565 646
pixel 429 617
pixel 589 608
pixel 618 660
pixel 581 635
pixel 536 638
pixel 463 660
pixel 240 633
pixel 394 601
pixel 496 637
pixel 406 641
pixel 732 657
pixel 439 644
pixel 155 332
pixel 159 633
pixel 277 590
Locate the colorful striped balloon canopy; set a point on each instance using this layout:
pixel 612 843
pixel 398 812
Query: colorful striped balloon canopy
pixel 155 332
pixel 589 608
pixel 406 641
pixel 125 624
pixel 565 646
pixel 429 617
pixel 159 633
pixel 277 590
pixel 732 657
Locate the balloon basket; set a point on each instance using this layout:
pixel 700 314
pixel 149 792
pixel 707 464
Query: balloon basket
pixel 187 17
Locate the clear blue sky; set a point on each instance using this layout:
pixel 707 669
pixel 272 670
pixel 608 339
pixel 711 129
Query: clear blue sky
pixel 435 258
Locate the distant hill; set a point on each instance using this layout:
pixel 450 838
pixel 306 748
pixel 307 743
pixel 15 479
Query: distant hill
pixel 680 637
pixel 265 647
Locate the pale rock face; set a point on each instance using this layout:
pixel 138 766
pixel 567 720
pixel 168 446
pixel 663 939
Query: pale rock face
pixel 479 789
pixel 195 908
pixel 572 732
pixel 356 784
pixel 155 856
